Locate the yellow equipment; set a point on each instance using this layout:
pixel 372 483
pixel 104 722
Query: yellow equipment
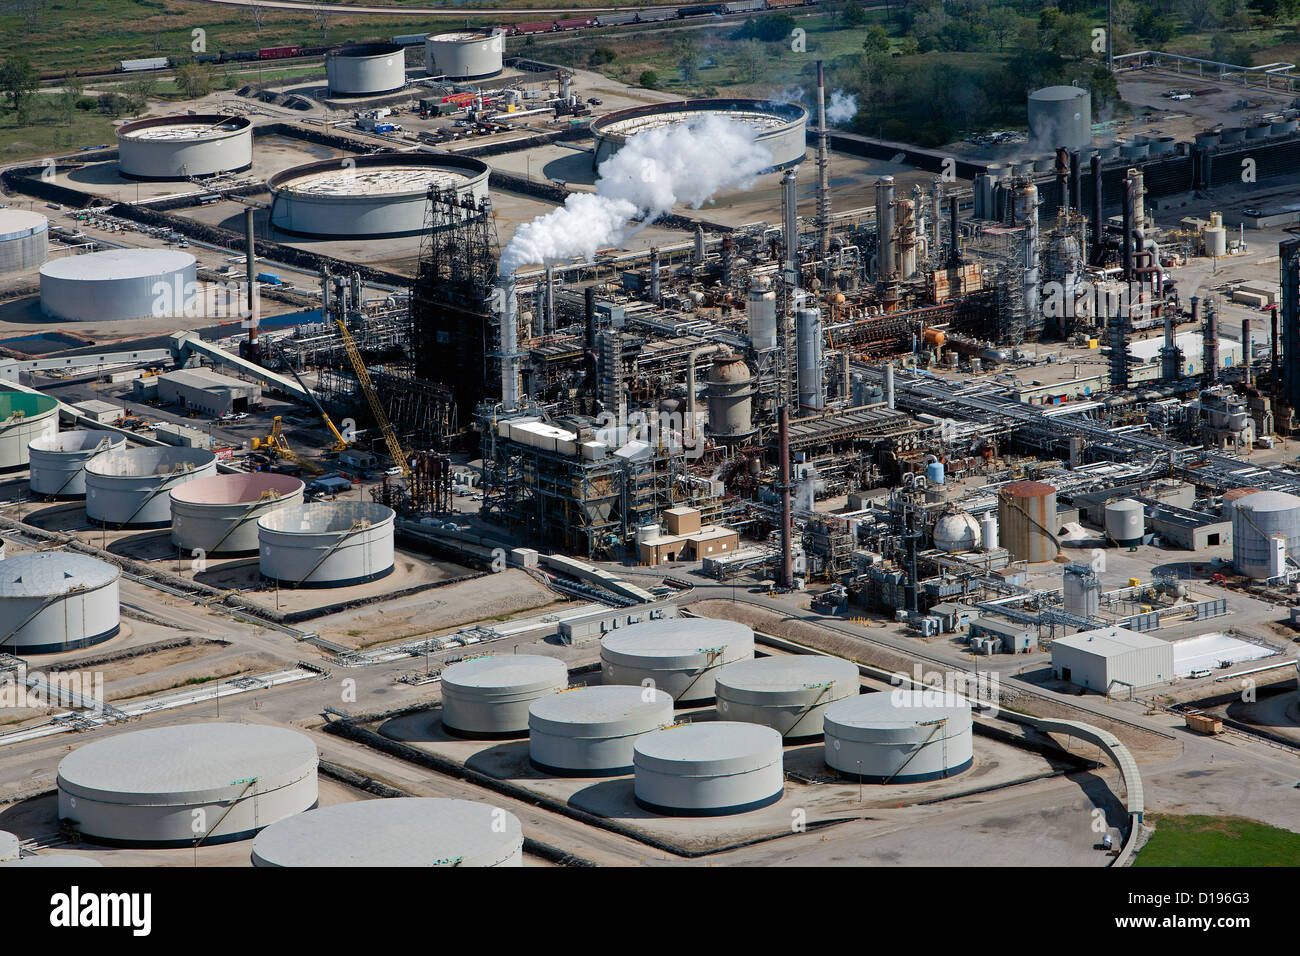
pixel 363 378
pixel 340 443
pixel 276 444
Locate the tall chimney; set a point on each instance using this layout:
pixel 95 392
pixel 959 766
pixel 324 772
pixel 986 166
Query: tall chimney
pixel 1127 239
pixel 1245 350
pixel 1062 178
pixel 787 524
pixel 885 228
pixel 889 385
pixel 654 275
pixel 549 323
pixel 509 343
pixel 250 258
pixel 1098 227
pixel 823 172
pixel 1076 183
pixel 790 209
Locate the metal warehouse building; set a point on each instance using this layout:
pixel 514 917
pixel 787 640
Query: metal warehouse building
pixel 207 391
pixel 1112 657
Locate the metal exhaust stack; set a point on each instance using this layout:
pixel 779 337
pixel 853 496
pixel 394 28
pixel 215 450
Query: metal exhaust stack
pixel 509 344
pixel 889 385
pixel 1062 178
pixel 654 275
pixel 250 257
pixel 787 524
pixel 1076 182
pixel 884 228
pixel 1127 239
pixel 790 209
pixel 1098 234
pixel 548 322
pixel 1245 350
pixel 954 252
pixel 823 172
pixel 808 334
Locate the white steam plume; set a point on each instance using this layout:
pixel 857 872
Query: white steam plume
pixel 842 107
pixel 686 162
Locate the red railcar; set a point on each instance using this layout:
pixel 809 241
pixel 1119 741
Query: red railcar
pixel 537 26
pixel 575 23
pixel 278 52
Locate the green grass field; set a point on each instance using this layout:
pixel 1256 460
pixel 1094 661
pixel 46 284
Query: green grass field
pixel 1217 841
pixel 48 132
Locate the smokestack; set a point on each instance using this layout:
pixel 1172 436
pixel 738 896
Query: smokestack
pixel 936 192
pixel 790 210
pixel 1062 178
pixel 250 258
pixel 549 323
pixel 787 525
pixel 889 385
pixel 885 228
pixel 954 231
pixel 325 302
pixel 823 172
pixel 697 256
pixel 1076 184
pixel 1127 239
pixel 1272 356
pixel 509 344
pixel 1098 234
pixel 1171 359
pixel 654 275
pixel 1245 350
pixel 808 333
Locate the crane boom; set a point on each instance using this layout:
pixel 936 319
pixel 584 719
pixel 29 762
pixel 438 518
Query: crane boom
pixel 368 389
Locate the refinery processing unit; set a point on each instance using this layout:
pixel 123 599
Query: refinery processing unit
pixel 446 449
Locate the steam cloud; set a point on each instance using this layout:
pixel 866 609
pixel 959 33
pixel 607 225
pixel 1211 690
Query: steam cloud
pixel 842 107
pixel 686 162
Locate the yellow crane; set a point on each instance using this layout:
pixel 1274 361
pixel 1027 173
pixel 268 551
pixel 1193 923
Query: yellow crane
pixel 340 443
pixel 279 446
pixel 368 389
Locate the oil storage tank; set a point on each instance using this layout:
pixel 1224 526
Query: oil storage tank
pixel 1230 499
pixel 465 54
pixel 56 601
pixel 24 240
pixel 1061 116
pixel 399 831
pixel 25 417
pixel 899 736
pixel 680 656
pixel 58 462
pixel 1125 522
pixel 379 196
pixel 488 697
pixel 590 731
pixel 330 544
pixel 169 786
pixel 182 147
pixel 1263 525
pixel 711 768
pixel 1027 520
pixel 120 284
pixel 1080 590
pixel 365 69
pixel 129 487
pixel 730 391
pixel 219 515
pixel 788 694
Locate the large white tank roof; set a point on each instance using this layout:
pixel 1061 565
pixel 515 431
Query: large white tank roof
pixel 707 747
pixel 236 489
pixel 893 714
pixel 76 441
pixel 325 517
pixel 1268 501
pixel 518 672
pixel 676 641
pixel 118 264
pixel 606 709
pixel 17 223
pixel 49 573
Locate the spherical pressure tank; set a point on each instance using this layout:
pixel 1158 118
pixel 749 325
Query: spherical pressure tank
pixel 366 69
pixel 25 417
pixel 730 390
pixel 1125 522
pixel 1255 520
pixel 706 769
pixel 957 531
pixel 58 462
pixel 488 697
pixel 465 54
pixel 1061 116
pixel 120 284
pixel 680 656
pixel 181 147
pixel 589 731
pixel 128 487
pixel 219 515
pixel 899 736
pixel 326 545
pixel 24 240
pixel 1027 520
pixel 788 694
pixel 1231 497
pixel 168 786
pixel 370 197
pixel 398 831
pixel 55 601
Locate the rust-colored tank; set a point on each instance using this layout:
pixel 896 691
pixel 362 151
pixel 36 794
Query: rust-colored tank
pixel 1027 519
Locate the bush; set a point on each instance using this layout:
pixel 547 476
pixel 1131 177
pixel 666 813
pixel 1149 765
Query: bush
pixel 600 56
pixel 649 79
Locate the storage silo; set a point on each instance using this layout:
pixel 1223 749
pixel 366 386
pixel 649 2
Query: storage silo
pixel 25 417
pixel 365 69
pixel 183 147
pixel 761 314
pixel 1125 522
pixel 730 391
pixel 58 461
pixel 56 601
pixel 1027 520
pixel 788 694
pixel 219 515
pixel 589 731
pixel 398 831
pixel 1060 116
pixel 1231 497
pixel 326 545
pixel 24 240
pixel 899 736
pixel 1080 590
pixel 121 284
pixel 707 769
pixel 1255 520
pixel 956 531
pixel 170 786
pixel 487 698
pixel 129 487
pixel 679 656
pixel 465 54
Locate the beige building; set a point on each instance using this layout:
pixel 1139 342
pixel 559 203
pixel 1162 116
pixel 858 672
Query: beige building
pixel 684 538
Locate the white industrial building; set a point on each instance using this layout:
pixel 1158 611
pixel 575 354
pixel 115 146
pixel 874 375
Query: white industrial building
pixel 1111 657
pixel 207 391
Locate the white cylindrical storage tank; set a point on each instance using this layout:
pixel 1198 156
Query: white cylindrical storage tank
pixel 129 487
pixel 957 531
pixel 24 240
pixel 398 831
pixel 1231 497
pixel 58 462
pixel 182 147
pixel 120 284
pixel 465 54
pixel 169 786
pixel 1216 241
pixel 1080 590
pixel 1125 522
pixel 1255 520
pixel 25 417
pixel 219 515
pixel 761 310
pixel 56 601
pixel 989 532
pixel 1061 116
pixel 679 656
pixel 330 544
pixel 365 69
pixel 707 769
pixel 788 694
pixel 899 736
pixel 379 196
pixel 589 731
pixel 488 698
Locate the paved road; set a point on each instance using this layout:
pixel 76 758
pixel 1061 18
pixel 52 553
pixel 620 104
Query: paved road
pixel 452 14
